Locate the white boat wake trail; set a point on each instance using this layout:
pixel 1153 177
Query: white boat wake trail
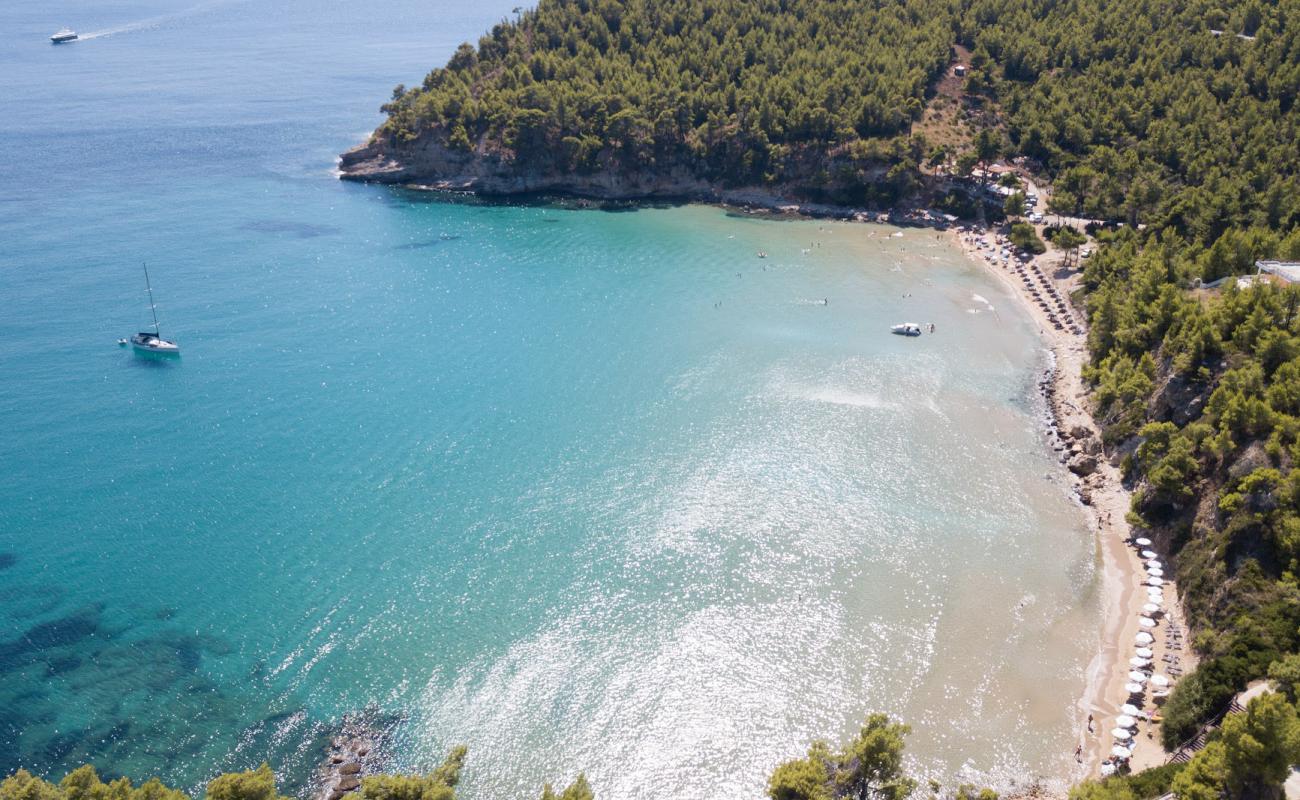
pixel 153 22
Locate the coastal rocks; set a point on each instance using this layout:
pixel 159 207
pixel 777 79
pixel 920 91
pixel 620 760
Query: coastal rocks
pixel 491 170
pixel 1083 465
pixel 354 751
pixel 426 163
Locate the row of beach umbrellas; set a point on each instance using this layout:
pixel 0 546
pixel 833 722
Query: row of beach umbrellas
pixel 1141 672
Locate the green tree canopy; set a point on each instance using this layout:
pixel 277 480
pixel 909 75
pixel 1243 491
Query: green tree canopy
pixel 437 785
pixel 257 784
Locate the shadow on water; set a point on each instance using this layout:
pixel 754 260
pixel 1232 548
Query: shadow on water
pixel 279 227
pixel 7 560
pixel 154 360
pixel 427 242
pixel 407 197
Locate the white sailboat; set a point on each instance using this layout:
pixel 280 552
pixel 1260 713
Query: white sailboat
pixel 152 342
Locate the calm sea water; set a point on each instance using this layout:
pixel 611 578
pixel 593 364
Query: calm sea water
pixel 580 489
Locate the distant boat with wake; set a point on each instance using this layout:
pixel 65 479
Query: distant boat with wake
pixel 65 35
pixel 151 342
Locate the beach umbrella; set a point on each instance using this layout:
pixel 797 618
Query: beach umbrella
pixel 1144 638
pixel 1121 735
pixel 1143 541
pixel 1155 562
pixel 1155 582
pixel 1151 608
pixel 1159 680
pixel 1149 554
pixel 1137 677
pixel 1133 688
pixel 1146 622
pixel 1154 594
pixel 1155 572
pixel 1145 652
pixel 1125 721
pixel 1119 751
pixel 1137 661
pixel 1130 710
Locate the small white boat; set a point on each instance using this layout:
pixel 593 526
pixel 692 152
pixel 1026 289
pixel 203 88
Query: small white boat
pixel 152 342
pixel 65 35
pixel 906 329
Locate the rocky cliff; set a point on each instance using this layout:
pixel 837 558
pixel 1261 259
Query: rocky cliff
pixel 427 163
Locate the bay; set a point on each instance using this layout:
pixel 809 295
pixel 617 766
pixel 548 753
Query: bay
pixel 583 489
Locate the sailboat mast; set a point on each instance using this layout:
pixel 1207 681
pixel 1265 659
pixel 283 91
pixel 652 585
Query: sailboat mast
pixel 152 307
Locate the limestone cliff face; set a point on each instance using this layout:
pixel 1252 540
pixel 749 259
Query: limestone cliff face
pixel 427 163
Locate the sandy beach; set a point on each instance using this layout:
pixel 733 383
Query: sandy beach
pixel 1036 282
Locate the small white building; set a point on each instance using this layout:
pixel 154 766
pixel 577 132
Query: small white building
pixel 1288 271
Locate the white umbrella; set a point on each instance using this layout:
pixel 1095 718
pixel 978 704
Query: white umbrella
pixel 1145 652
pixel 1156 572
pixel 1155 563
pixel 1146 622
pixel 1120 752
pixel 1154 594
pixel 1135 661
pixel 1130 710
pixel 1121 735
pixel 1144 638
pixel 1125 721
pixel 1149 554
pixel 1143 541
pixel 1133 688
pixel 1137 677
pixel 1151 608
pixel 1160 680
pixel 1155 582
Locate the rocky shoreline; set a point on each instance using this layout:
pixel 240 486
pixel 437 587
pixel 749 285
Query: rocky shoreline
pixel 426 165
pixel 357 749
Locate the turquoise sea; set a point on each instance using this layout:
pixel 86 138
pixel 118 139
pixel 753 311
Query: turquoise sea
pixel 584 489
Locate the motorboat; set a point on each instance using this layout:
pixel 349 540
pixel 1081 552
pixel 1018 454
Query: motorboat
pixel 65 35
pixel 906 329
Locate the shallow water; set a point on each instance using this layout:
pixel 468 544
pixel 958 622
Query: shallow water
pixel 583 490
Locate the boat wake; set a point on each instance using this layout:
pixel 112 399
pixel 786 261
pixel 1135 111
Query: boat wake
pixel 153 22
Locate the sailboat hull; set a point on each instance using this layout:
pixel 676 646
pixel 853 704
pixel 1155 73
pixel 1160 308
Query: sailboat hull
pixel 156 351
pixel 157 347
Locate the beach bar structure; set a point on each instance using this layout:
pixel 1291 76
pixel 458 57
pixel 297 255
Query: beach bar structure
pixel 1288 271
